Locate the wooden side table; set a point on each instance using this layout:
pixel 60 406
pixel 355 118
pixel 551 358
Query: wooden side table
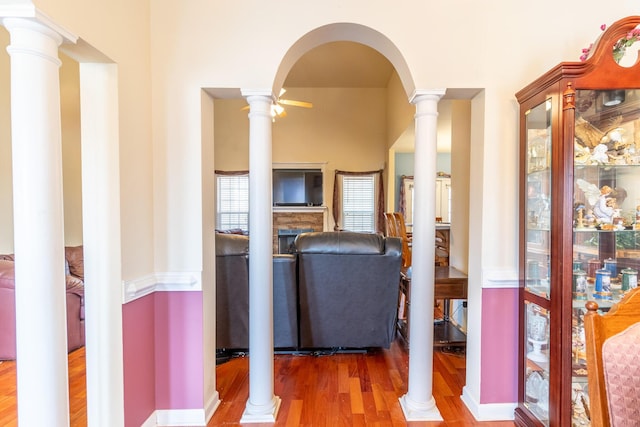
pixel 449 283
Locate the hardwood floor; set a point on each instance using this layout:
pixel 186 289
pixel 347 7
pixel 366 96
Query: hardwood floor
pixel 316 390
pixel 347 390
pixel 77 391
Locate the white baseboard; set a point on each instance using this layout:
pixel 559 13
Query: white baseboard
pixel 488 411
pixel 184 417
pixel 211 405
pixel 180 417
pixel 151 421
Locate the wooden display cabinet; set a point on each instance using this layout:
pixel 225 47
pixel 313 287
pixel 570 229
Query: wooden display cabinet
pixel 579 225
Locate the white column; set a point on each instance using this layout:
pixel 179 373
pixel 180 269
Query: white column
pixel 418 404
pixel 38 224
pixel 101 231
pixel 262 405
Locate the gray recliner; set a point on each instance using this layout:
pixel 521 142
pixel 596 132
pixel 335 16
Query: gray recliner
pixel 348 289
pixel 232 291
pixel 232 295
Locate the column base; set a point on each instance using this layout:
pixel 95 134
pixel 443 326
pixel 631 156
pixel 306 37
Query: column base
pixel 416 411
pixel 261 414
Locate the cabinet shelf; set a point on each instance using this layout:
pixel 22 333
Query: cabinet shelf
pixel 627 229
pixel 537 228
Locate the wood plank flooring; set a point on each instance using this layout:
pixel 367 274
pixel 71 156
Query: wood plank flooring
pixel 77 391
pixel 316 390
pixel 347 390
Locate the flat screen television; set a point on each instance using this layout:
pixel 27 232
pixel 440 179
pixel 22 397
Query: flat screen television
pixel 297 187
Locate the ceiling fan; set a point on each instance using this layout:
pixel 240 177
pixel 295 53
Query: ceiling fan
pixel 277 109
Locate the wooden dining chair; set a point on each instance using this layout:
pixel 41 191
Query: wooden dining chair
pixel 442 247
pixel 390 223
pixel 406 241
pixel 613 372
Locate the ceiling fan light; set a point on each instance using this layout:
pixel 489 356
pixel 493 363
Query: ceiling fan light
pixel 277 110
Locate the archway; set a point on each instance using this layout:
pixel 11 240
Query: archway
pixel 419 403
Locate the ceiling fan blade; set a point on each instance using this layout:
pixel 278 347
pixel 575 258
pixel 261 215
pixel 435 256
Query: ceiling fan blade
pixel 296 103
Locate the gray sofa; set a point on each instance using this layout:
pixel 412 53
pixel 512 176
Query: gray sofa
pixel 348 289
pixel 232 295
pixel 339 290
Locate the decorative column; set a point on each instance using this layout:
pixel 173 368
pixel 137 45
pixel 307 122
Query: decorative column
pixel 263 405
pixel 41 321
pixel 418 404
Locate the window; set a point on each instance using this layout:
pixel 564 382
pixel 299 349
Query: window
pixel 358 203
pixel 232 202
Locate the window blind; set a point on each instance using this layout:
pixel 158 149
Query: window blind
pixel 232 202
pixel 358 203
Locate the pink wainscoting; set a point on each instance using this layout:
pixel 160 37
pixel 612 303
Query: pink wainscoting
pixel 138 332
pixel 499 364
pixel 179 350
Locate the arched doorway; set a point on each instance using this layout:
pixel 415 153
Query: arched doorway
pixel 329 34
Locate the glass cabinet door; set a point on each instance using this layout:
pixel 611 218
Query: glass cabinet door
pixel 536 381
pixel 538 200
pixel 606 224
pixel 537 260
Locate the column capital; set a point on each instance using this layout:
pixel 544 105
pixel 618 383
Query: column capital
pixel 422 94
pixel 260 102
pixel 29 37
pixel 13 13
pixel 267 93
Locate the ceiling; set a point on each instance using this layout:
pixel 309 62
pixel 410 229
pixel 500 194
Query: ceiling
pixel 350 64
pixel 344 64
pixel 341 64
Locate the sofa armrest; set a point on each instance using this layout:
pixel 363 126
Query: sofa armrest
pixel 231 244
pixel 393 246
pixel 75 257
pixel 75 286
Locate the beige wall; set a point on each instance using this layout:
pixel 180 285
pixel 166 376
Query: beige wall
pixel 346 130
pixel 203 44
pixel 460 132
pixel 121 32
pixel 458 44
pixel 168 51
pixel 6 192
pixel 71 160
pixel 399 111
pixel 70 122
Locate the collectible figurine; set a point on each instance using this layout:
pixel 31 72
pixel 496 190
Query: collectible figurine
pixel 603 204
